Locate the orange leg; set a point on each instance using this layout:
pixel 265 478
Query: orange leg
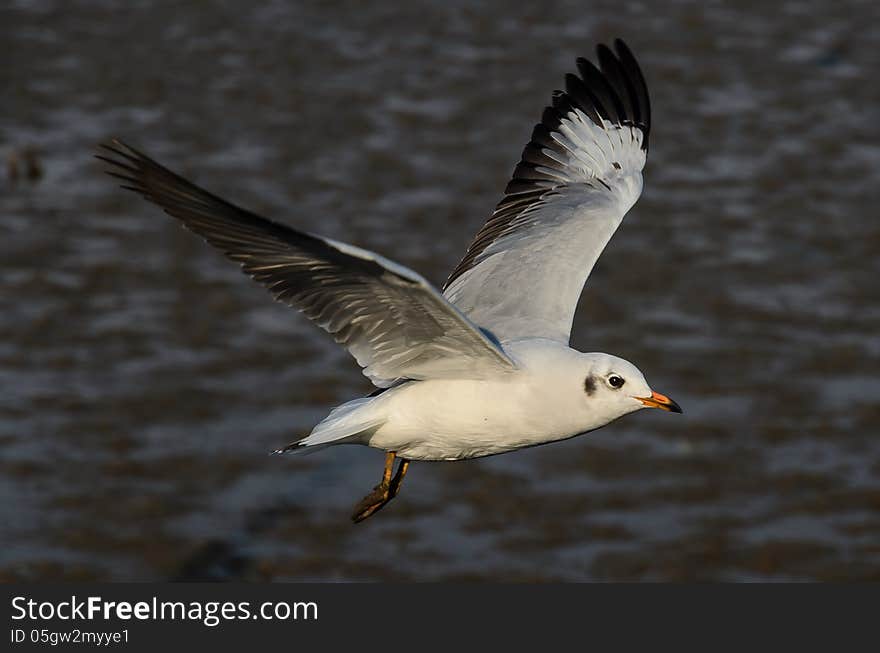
pixel 384 492
pixel 398 478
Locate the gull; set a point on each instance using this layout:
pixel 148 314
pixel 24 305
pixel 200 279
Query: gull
pixel 484 366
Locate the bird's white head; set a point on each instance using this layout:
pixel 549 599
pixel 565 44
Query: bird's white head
pixel 571 392
pixel 613 387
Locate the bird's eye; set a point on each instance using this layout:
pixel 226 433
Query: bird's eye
pixel 615 381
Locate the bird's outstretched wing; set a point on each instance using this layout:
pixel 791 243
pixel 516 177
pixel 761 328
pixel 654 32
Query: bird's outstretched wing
pixel 392 320
pixel 580 173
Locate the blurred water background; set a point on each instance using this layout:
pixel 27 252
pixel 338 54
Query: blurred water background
pixel 144 380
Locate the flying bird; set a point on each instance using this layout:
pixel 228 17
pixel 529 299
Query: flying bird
pixel 482 366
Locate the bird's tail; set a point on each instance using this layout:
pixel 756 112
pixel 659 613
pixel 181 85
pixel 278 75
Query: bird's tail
pixel 350 422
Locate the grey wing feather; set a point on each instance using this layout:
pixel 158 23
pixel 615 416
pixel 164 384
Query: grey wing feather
pixel 395 324
pixel 580 173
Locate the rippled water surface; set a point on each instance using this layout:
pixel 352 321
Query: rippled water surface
pixel 143 380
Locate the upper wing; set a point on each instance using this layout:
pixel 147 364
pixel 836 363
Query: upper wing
pixel 392 321
pixel 580 173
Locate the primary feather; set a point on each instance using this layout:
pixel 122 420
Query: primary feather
pixel 579 174
pixel 395 324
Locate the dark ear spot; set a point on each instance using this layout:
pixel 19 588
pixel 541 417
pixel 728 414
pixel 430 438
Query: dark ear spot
pixel 590 385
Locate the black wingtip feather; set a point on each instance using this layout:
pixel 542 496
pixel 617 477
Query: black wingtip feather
pixel 603 91
pixel 113 162
pixel 634 74
pixel 613 91
pixel 119 148
pixel 119 175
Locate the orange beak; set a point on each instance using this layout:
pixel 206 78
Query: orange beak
pixel 656 400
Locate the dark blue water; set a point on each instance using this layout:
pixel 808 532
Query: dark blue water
pixel 143 380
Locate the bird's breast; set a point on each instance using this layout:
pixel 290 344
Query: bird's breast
pixel 455 419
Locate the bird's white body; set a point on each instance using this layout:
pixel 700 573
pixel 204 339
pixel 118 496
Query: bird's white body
pixel 544 399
